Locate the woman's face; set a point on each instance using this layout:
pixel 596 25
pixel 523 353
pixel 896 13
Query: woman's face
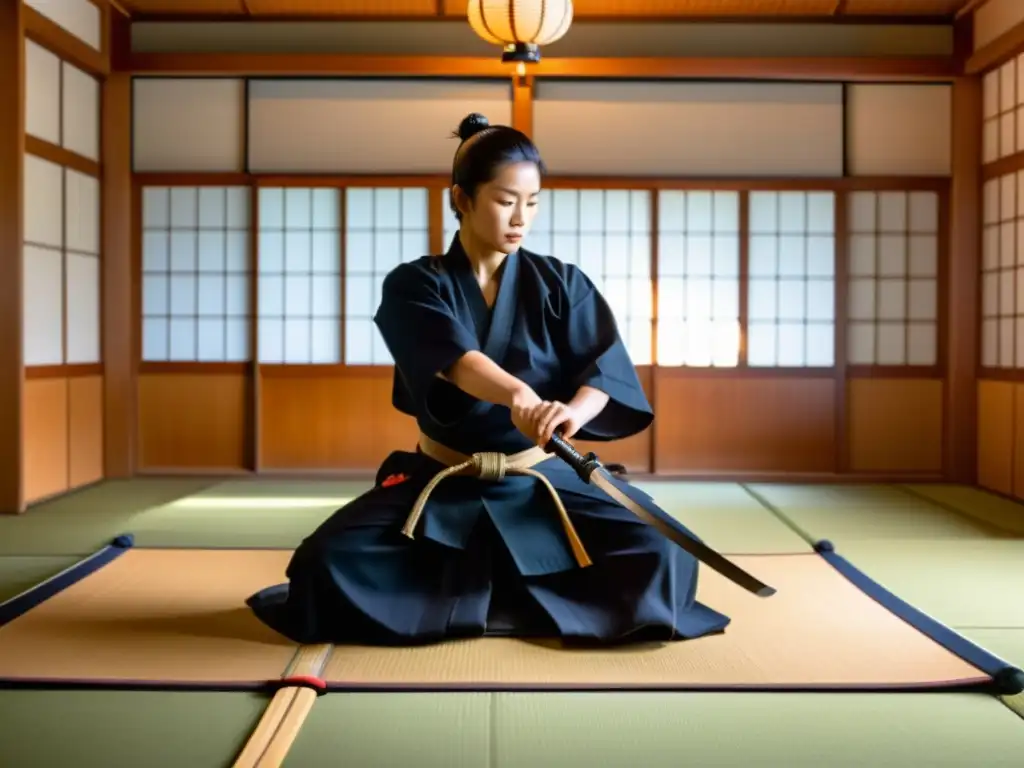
pixel 502 213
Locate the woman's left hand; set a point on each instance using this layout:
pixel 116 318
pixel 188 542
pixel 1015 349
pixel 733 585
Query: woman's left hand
pixel 548 416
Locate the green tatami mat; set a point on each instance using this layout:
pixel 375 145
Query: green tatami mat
pixel 281 512
pixel 267 512
pixel 972 583
pixel 1007 644
pixel 64 729
pixel 398 730
pixel 727 517
pixel 846 513
pixel 625 730
pixel 977 503
pixel 257 512
pixel 81 522
pixel 269 489
pixel 18 574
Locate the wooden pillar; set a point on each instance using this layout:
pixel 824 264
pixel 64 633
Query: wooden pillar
pixel 118 308
pixel 522 103
pixel 961 394
pixel 12 151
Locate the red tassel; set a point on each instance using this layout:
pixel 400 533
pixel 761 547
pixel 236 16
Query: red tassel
pixel 393 480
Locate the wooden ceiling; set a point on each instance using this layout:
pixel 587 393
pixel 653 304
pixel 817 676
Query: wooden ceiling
pixel 761 10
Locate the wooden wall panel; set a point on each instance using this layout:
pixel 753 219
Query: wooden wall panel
pixel 716 424
pixel 895 425
pixel 85 430
pixel 345 422
pixel 63 434
pixel 45 437
pixel 1018 441
pixel 320 421
pixel 192 422
pixel 706 424
pixel 996 438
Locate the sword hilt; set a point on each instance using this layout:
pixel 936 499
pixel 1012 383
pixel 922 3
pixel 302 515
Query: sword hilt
pixel 584 465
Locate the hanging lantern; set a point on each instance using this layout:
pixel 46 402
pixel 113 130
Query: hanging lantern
pixel 520 26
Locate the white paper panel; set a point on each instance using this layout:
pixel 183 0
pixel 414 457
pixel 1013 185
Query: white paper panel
pixel 995 18
pixel 42 93
pixel 791 293
pixel 893 289
pixel 79 17
pixel 43 310
pixel 185 124
pixel 899 130
pixel 364 126
pixel 81 113
pixel 195 274
pixel 43 202
pixel 83 308
pixel 704 129
pixel 698 278
pixel 300 280
pixel 82 204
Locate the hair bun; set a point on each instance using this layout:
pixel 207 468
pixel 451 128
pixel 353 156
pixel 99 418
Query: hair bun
pixel 472 124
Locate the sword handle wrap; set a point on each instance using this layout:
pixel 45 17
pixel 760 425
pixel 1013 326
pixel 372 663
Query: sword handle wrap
pixel 584 465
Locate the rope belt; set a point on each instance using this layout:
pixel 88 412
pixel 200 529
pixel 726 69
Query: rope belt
pixel 492 466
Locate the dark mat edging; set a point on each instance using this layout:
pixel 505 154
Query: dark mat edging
pixel 31 598
pixel 1007 680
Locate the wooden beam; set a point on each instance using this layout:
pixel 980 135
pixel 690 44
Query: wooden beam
pixel 62 156
pixel 843 19
pixel 118 308
pixel 999 51
pixel 962 316
pixel 12 151
pixel 852 69
pixel 55 38
pixel 969 8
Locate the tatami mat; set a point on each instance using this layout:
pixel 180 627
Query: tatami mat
pixel 267 512
pixel 82 521
pixel 1005 643
pixel 845 513
pixel 18 574
pixel 282 512
pixel 402 730
pixel 769 730
pixel 117 729
pixel 972 583
pixel 954 566
pixel 819 630
pixel 154 617
pixel 510 730
pixel 977 503
pixel 727 517
pixel 164 616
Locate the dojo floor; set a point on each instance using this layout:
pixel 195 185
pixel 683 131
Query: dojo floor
pixel 955 553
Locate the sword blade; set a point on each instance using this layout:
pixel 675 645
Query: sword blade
pixel 675 533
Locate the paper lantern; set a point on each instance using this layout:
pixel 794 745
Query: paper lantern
pixel 521 26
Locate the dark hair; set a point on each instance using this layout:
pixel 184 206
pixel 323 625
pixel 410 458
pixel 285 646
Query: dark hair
pixel 484 149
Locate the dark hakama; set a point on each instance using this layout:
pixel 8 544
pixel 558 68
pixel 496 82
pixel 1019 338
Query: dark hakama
pixel 491 558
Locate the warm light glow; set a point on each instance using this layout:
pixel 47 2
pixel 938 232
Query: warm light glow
pixel 700 343
pixel 507 22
